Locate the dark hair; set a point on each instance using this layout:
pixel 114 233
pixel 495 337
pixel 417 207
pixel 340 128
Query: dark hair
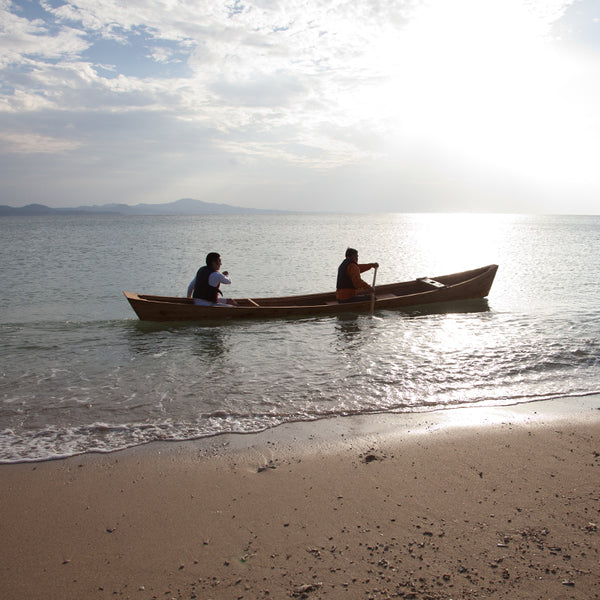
pixel 212 257
pixel 350 252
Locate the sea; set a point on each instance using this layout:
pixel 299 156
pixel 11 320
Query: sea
pixel 80 373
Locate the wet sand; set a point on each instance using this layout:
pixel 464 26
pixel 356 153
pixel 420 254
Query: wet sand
pixel 461 504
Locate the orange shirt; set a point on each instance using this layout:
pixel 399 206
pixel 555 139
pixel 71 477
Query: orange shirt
pixel 354 270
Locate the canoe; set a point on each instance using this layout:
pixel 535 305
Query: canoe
pixel 468 285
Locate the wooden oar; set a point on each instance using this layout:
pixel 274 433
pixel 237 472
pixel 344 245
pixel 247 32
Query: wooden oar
pixel 373 292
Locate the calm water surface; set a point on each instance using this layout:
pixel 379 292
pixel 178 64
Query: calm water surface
pixel 80 373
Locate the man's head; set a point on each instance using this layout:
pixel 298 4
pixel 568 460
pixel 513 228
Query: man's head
pixel 213 259
pixel 351 253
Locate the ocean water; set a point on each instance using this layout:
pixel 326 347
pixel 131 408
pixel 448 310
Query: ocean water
pixel 79 373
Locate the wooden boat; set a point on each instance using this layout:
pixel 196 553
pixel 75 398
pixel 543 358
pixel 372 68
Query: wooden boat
pixel 467 285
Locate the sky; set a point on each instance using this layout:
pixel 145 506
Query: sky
pixel 316 105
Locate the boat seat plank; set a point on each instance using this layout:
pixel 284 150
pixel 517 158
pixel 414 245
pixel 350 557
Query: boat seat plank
pixel 431 282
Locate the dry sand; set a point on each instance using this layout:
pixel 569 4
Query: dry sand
pixel 500 503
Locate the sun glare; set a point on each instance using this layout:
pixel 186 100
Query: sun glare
pixel 481 82
pixel 448 240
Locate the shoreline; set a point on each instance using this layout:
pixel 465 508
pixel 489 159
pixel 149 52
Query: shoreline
pixel 332 427
pixel 498 502
pixel 334 434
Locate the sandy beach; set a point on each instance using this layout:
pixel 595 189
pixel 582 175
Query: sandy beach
pixel 466 503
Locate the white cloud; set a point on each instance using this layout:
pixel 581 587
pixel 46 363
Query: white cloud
pixel 31 143
pixel 296 88
pixel 23 41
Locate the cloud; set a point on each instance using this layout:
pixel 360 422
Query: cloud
pixel 295 95
pixel 32 143
pixel 24 41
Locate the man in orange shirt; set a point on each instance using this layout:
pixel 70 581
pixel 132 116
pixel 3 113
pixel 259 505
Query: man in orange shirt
pixel 349 282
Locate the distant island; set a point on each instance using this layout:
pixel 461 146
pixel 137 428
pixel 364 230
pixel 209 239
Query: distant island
pixel 184 206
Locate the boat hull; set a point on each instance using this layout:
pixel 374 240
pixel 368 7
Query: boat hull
pixel 467 285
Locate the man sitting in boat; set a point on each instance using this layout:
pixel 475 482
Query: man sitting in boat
pixel 204 288
pixel 349 282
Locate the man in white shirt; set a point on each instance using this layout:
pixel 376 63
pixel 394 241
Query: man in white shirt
pixel 204 288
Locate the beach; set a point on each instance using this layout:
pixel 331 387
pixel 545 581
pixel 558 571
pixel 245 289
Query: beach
pixel 465 503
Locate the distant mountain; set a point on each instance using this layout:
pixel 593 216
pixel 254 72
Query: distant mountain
pixel 185 206
pixel 36 210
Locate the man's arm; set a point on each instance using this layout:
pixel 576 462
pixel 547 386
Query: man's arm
pixel 367 266
pixel 191 287
pixel 216 278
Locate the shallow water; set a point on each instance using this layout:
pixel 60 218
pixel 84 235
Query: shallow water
pixel 80 373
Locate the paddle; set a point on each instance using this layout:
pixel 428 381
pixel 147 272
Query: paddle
pixel 373 292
